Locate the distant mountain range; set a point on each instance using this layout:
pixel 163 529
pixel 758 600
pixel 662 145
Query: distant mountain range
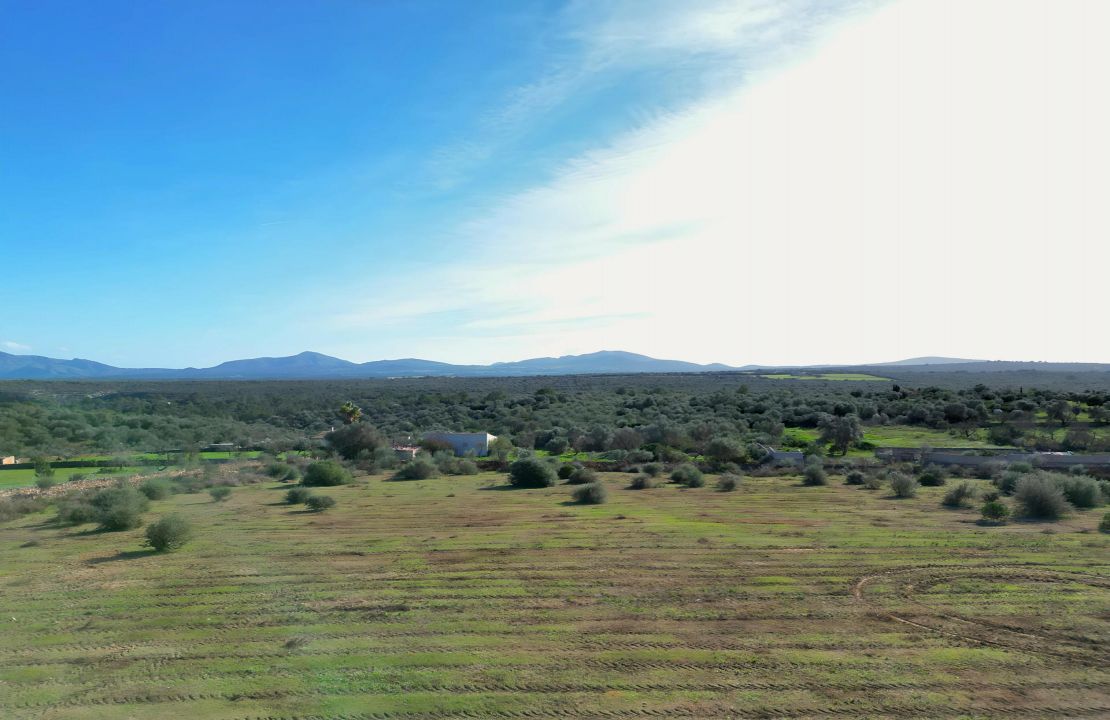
pixel 315 366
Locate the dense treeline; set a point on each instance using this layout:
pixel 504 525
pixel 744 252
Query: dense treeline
pixel 591 413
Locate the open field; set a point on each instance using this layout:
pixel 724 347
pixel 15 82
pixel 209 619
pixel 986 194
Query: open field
pixel 25 477
pixel 457 597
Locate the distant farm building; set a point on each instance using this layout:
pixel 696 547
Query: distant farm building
pixel 405 452
pixel 7 460
pixel 464 443
pixel 783 457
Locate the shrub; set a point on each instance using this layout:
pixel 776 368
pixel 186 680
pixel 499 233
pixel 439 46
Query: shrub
pixel 902 485
pixel 282 471
pixel 221 493
pixel 420 468
pixel 565 471
pixel 995 511
pixel 582 476
pixel 1039 497
pixel 45 482
pixel 156 488
pixel 960 496
pixel 814 473
pixel 855 477
pixel 531 472
pixel 325 474
pixel 688 475
pixel 931 476
pixel 297 495
pixel 643 481
pixel 1007 481
pixel 317 503
pixel 593 493
pixel 1081 491
pixel 168 533
pixel 728 482
pixel 119 508
pixel 1104 524
pixel 991 495
pixel 653 469
pixel 873 482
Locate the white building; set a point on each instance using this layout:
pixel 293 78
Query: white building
pixel 464 443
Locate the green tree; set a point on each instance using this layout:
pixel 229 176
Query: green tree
pixel 841 433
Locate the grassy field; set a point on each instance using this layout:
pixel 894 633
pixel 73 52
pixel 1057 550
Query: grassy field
pixel 857 377
pixel 457 597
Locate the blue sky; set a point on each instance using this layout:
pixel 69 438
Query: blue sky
pixel 185 183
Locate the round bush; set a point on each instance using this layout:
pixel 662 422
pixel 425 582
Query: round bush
pixel 814 474
pixel 421 468
pixel 297 495
pixel 1039 497
pixel 1104 524
pixel 653 469
pixel 582 476
pixel 531 472
pixel 592 494
pixel 995 511
pixel 316 503
pixel 45 482
pixel 902 485
pixel 325 474
pixel 643 481
pixel 169 533
pixel 220 493
pixel 931 477
pixel 565 471
pixel 688 475
pixel 728 482
pixel 1081 491
pixel 76 511
pixel 119 508
pixel 156 488
pixel 855 477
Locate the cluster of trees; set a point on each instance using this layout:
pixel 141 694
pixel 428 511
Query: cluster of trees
pixel 689 414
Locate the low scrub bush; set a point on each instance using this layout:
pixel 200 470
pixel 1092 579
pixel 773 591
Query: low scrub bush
pixel 326 473
pixel 283 472
pixel 688 474
pixel 1037 496
pixel 168 533
pixel 531 472
pixel 1104 524
pixel 873 482
pixel 297 495
pixel 902 485
pixel 643 481
pixel 593 493
pixel 221 493
pixel 855 477
pixel 994 511
pixel 156 488
pixel 12 508
pixel 420 468
pixel 960 496
pixel 565 471
pixel 653 469
pixel 45 482
pixel 728 482
pixel 582 476
pixel 317 503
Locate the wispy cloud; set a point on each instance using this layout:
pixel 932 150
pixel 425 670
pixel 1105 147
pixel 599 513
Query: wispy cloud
pixel 15 346
pixel 787 215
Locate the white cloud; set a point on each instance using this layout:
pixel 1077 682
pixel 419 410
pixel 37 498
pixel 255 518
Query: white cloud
pixel 929 179
pixel 15 347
